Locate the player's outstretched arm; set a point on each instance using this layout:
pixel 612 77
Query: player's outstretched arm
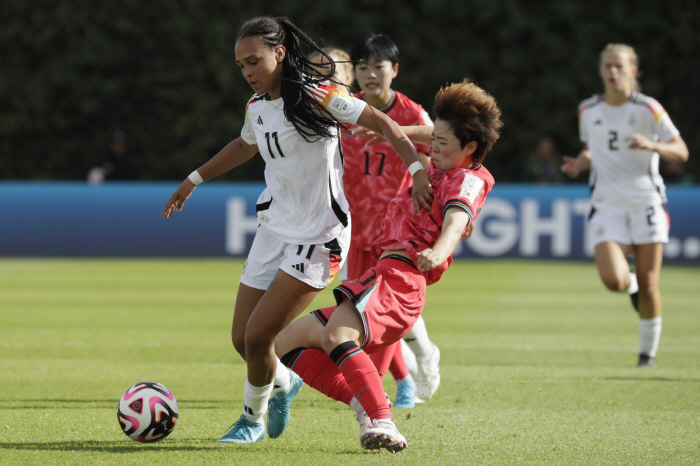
pixel 417 135
pixel 235 153
pixel 376 121
pixel 573 166
pixel 674 150
pixel 456 220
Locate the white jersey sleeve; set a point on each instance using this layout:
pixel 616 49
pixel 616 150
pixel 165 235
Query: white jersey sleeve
pixel 341 106
pixel 247 133
pixel 665 129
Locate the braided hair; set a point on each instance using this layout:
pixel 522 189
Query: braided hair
pixel 312 122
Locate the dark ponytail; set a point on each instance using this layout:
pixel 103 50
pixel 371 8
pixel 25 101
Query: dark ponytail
pixel 311 121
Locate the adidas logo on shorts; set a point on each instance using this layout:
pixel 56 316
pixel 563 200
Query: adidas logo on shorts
pixel 299 267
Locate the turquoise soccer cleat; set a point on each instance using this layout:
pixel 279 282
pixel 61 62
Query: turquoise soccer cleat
pixel 280 403
pixel 406 394
pixel 244 431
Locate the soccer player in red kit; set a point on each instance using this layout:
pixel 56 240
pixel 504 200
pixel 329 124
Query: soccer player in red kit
pixel 329 348
pixel 372 177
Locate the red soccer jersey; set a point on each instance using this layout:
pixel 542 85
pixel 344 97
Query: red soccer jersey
pixel 465 188
pixel 373 176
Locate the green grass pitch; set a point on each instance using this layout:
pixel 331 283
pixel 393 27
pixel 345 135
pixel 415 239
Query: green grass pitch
pixel 538 368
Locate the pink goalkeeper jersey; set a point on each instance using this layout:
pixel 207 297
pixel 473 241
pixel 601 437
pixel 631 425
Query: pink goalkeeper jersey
pixel 463 188
pixel 373 176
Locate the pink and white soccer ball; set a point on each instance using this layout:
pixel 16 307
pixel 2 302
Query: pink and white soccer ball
pixel 148 412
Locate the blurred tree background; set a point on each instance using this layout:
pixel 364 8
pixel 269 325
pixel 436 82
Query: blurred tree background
pixel 72 72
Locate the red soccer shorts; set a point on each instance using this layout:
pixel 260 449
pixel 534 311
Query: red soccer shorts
pixel 389 297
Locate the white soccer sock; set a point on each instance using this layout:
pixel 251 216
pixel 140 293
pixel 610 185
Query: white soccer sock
pixel 355 404
pixel 418 341
pixel 649 335
pixel 255 399
pixel 634 286
pixel 282 380
pixel 408 357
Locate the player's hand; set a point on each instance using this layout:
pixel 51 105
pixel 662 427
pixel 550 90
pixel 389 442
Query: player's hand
pixel 428 260
pixel 638 141
pixel 570 166
pixel 467 232
pixel 363 133
pixel 177 200
pixel 422 192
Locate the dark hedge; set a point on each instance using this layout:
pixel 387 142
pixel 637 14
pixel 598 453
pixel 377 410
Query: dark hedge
pixel 74 71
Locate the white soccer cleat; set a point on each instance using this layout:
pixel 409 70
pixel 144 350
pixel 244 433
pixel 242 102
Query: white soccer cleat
pixel 382 433
pixel 364 421
pixel 428 375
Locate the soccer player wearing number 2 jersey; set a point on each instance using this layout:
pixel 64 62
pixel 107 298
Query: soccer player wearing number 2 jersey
pixel 625 133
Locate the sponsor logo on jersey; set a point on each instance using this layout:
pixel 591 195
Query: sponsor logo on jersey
pixel 436 177
pixel 260 122
pixel 598 122
pixel 471 187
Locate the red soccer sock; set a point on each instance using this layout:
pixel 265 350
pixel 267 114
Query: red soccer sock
pixel 398 366
pixel 317 370
pixel 383 358
pixel 362 378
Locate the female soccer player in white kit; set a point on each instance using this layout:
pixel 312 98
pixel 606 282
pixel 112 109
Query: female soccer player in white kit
pixel 294 122
pixel 625 133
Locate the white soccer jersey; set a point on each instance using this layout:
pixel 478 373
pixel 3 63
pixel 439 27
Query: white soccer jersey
pixel 303 202
pixel 622 177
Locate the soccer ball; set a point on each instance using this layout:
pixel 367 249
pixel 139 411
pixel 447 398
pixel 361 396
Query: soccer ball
pixel 148 412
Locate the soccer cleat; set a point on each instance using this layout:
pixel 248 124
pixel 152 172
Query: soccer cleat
pixel 635 300
pixel 646 361
pixel 278 409
pixel 244 431
pixel 382 433
pixel 406 394
pixel 364 421
pixel 428 375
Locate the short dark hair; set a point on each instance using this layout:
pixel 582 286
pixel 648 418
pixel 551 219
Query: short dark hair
pixel 377 45
pixel 472 114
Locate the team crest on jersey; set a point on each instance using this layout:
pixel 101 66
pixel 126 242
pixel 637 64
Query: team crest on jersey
pixel 288 123
pixel 631 121
pixel 471 187
pixel 436 177
pixel 339 104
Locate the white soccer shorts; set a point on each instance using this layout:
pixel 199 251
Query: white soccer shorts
pixel 313 264
pixel 630 227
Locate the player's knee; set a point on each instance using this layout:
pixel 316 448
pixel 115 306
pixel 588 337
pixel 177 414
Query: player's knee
pixel 330 339
pixel 648 285
pixel 238 343
pixel 614 283
pixel 258 341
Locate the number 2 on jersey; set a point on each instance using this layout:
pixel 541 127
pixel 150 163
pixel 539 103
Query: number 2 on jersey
pixel 381 163
pixel 613 140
